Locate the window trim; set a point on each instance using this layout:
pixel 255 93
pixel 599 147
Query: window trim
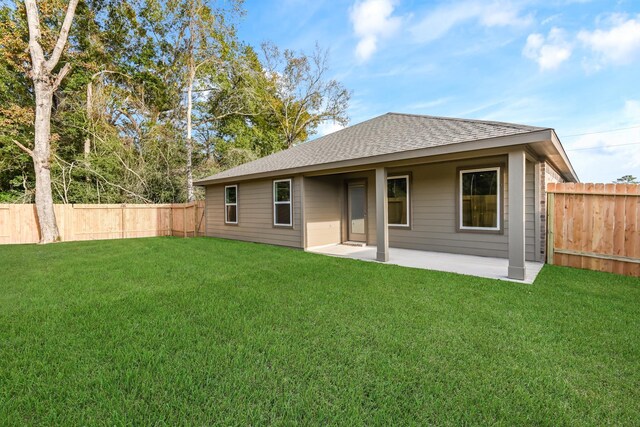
pixel 407 177
pixel 499 228
pixel 226 219
pixel 290 203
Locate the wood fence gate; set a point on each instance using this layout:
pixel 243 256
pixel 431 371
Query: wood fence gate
pixel 594 226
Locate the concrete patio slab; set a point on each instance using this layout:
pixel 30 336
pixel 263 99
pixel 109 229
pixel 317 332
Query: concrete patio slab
pixel 492 268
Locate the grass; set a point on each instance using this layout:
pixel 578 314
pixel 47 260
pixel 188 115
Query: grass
pixel 204 331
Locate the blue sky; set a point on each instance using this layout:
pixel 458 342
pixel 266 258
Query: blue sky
pixel 570 65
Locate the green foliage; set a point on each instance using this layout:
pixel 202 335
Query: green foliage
pixel 16 111
pixel 627 179
pixel 118 121
pixel 213 332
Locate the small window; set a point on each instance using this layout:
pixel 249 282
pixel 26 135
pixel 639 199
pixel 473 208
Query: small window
pixel 398 200
pixel 231 204
pixel 282 209
pixel 480 199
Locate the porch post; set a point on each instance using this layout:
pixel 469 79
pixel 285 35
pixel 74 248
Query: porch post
pixel 303 214
pixel 516 214
pixel 382 215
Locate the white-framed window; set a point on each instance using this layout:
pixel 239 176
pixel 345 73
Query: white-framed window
pixel 479 201
pixel 282 206
pixel 398 200
pixel 231 204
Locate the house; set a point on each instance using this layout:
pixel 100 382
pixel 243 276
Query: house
pixel 401 181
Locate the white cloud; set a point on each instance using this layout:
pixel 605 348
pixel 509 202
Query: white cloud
pixel 426 106
pixel 603 157
pixel 372 20
pixel 632 110
pixel 551 19
pixel 489 14
pixel 619 44
pixel 326 128
pixel 549 52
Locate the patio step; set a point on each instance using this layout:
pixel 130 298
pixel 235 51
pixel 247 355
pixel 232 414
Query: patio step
pixel 357 244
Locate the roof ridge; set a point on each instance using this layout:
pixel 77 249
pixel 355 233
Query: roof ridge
pixel 380 135
pixel 340 130
pixel 311 141
pixel 459 119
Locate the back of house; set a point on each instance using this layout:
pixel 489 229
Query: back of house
pixel 401 181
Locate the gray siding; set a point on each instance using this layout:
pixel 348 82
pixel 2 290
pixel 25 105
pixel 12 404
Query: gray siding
pixel 255 214
pixel 433 212
pixel 323 210
pixel 530 213
pixel 547 175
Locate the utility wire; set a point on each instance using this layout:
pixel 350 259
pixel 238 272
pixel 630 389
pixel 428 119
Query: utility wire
pixel 601 131
pixel 604 146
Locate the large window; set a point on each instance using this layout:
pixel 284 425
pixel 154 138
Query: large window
pixel 398 200
pixel 282 208
pixel 231 204
pixel 480 199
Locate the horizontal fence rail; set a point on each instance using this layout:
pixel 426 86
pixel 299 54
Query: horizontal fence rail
pixel 594 226
pixel 19 223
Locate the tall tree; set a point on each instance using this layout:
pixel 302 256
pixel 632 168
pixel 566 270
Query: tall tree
pixel 45 82
pixel 305 96
pixel 208 34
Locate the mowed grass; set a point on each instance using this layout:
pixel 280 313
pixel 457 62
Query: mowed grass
pixel 170 331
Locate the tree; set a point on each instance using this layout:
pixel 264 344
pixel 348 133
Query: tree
pixel 16 110
pixel 129 119
pixel 303 96
pixel 627 179
pixel 205 36
pixel 241 128
pixel 45 83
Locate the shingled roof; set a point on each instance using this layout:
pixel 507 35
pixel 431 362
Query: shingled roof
pixel 386 134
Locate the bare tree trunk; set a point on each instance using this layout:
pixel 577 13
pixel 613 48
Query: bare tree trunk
pixel 41 154
pixel 87 140
pixel 189 142
pixel 191 77
pixel 45 83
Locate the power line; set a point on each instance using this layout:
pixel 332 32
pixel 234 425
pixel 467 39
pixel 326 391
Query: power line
pixel 604 146
pixel 601 131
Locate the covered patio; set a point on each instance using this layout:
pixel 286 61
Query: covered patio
pixel 431 237
pixel 491 268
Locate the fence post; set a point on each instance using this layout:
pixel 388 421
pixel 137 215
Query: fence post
pixel 171 220
pixel 184 219
pixel 550 226
pixel 122 219
pixel 195 219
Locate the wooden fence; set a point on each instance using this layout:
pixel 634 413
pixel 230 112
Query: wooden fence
pixel 19 224
pixel 594 226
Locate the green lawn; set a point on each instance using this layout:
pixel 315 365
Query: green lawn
pixel 205 331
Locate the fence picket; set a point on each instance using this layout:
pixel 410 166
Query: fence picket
pixel 18 222
pixel 595 226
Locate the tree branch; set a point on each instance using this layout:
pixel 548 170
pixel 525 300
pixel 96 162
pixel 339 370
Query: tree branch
pixel 23 148
pixel 106 181
pixel 61 75
pixel 63 36
pixel 33 20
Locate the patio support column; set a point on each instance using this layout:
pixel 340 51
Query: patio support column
pixel 303 214
pixel 517 164
pixel 382 216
